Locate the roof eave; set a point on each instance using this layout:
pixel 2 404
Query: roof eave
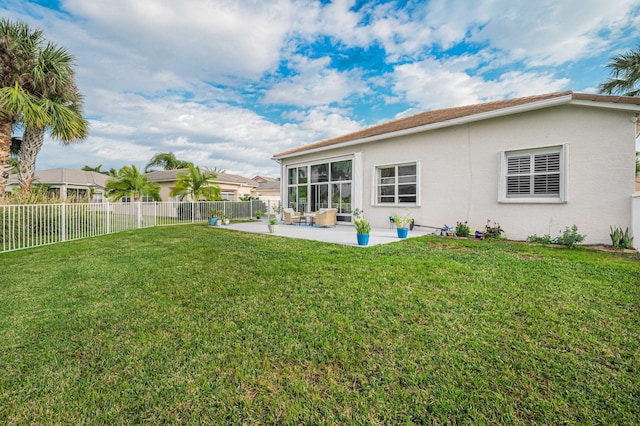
pixel 560 100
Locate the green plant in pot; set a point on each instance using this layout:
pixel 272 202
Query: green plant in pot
pixel 258 214
pixel 402 223
pixel 363 227
pixel 214 214
pixel 273 225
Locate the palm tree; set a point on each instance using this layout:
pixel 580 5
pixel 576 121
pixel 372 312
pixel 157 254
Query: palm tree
pixel 96 169
pixel 625 71
pixel 15 154
pixel 131 183
pixel 52 78
pixel 19 45
pixel 166 161
pixel 197 184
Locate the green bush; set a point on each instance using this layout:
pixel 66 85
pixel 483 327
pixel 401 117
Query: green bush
pixel 568 238
pixel 492 230
pixel 619 239
pixel 462 229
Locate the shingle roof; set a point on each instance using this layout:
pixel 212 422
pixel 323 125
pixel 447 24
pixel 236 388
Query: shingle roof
pixel 60 176
pixel 447 114
pixel 269 185
pixel 171 175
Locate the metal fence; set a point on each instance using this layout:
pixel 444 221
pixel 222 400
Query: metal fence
pixel 31 225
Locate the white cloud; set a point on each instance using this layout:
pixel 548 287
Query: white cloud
pixel 315 84
pixel 198 37
pixel 431 84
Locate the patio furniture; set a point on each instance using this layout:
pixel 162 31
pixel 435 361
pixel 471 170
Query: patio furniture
pixel 326 217
pixel 290 216
pixel 308 218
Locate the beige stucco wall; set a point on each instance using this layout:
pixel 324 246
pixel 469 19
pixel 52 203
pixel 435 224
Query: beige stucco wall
pixel 460 171
pixel 238 190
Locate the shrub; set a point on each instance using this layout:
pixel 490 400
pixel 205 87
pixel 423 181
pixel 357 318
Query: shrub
pixel 570 237
pixel 462 229
pixel 545 239
pixel 619 239
pixel 492 230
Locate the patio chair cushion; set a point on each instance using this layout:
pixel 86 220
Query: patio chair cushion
pixel 326 217
pixel 290 216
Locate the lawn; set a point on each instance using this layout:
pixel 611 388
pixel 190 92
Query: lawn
pixel 190 324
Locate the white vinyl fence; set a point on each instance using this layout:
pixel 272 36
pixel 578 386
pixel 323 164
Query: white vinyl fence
pixel 32 225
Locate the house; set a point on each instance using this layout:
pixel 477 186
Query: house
pixel 232 187
pixel 535 165
pixel 268 188
pixel 68 184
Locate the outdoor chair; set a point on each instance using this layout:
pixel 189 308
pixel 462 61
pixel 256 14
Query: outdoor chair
pixel 326 217
pixel 290 216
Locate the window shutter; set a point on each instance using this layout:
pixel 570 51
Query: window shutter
pixel 518 177
pixel 547 174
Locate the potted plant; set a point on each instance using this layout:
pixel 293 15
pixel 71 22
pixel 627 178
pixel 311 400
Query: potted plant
pixel 258 214
pixel 226 219
pixel 402 223
pixel 363 229
pixel 273 225
pixel 214 214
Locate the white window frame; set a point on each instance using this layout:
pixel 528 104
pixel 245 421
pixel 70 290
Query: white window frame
pixel 375 180
pixel 563 150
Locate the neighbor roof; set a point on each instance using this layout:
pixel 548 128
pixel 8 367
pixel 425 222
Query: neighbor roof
pixel 451 116
pixel 171 175
pixel 61 176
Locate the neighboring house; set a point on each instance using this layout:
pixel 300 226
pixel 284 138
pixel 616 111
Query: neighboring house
pixel 534 165
pixel 232 187
pixel 69 184
pixel 268 188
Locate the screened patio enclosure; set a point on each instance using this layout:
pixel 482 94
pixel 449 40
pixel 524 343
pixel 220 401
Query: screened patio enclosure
pixel 312 187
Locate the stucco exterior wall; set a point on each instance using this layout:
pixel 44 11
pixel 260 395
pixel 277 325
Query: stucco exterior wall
pixel 459 172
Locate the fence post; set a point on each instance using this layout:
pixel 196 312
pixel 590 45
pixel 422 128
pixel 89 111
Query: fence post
pixel 63 220
pixel 108 216
pixel 193 212
pixel 139 214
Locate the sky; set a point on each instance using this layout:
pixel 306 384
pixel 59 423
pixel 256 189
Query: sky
pixel 227 84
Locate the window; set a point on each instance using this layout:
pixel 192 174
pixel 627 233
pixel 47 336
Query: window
pixel 397 184
pixel 316 186
pixel 533 176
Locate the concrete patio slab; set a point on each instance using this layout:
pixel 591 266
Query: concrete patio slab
pixel 340 234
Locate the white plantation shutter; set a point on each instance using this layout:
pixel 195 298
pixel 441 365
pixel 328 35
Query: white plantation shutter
pixel 533 174
pixel 518 175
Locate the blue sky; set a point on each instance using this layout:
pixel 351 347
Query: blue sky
pixel 229 83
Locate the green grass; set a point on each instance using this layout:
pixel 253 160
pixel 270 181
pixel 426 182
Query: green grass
pixel 191 324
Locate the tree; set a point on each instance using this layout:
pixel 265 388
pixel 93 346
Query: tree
pixel 96 169
pixel 166 161
pixel 625 75
pixel 52 80
pixel 131 183
pixel 15 154
pixel 19 45
pixel 37 90
pixel 197 184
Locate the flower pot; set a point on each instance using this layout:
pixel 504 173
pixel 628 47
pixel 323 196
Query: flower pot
pixel 363 239
pixel 213 221
pixel 273 228
pixel 226 221
pixel 402 232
